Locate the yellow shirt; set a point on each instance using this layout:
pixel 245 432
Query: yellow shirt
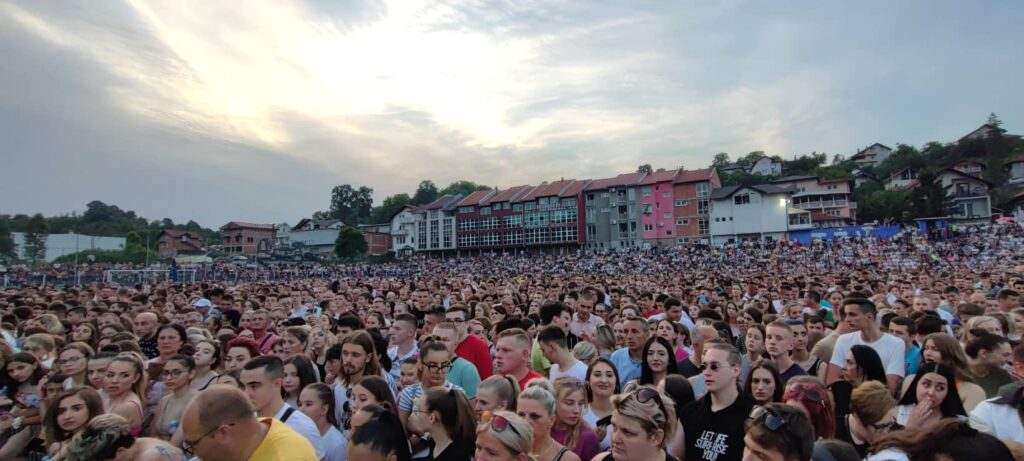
pixel 282 442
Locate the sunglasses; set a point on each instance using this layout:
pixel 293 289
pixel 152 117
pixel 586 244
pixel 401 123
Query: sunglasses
pixel 771 420
pixel 500 424
pixel 713 366
pixel 646 394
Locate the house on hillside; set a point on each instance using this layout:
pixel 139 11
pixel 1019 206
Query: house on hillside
pixel 969 195
pixel 830 201
pixel 902 179
pixel 872 155
pixel 982 132
pixel 766 166
pixel 171 243
pixel 1015 167
pixel 970 166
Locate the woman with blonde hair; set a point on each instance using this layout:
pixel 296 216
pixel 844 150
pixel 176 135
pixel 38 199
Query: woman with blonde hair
pixel 42 346
pixel 503 436
pixel 537 406
pixel 125 384
pixel 496 393
pixel 109 437
pixel 644 421
pixel 570 429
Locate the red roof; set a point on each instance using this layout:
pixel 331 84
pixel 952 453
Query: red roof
pixel 547 189
pixel 247 225
pixel 660 175
pixel 475 198
pixel 575 188
pixel 507 195
pixel 703 174
pixel 625 179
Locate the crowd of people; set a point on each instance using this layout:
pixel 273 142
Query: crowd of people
pixel 901 349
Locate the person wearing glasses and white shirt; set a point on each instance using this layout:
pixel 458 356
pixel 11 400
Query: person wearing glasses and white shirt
pixel 714 424
pixel 435 359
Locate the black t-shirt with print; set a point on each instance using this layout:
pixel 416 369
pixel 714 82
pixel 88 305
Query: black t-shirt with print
pixel 715 436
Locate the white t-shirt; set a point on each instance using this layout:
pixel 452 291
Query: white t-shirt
pixel 889 454
pixel 578 370
pixel 335 445
pixel 591 419
pixel 890 349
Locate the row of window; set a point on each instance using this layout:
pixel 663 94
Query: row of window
pixel 529 219
pixel 541 204
pixel 528 236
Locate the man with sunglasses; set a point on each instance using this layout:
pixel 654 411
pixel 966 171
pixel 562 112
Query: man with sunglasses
pixel 221 425
pixel 713 425
pixel 777 432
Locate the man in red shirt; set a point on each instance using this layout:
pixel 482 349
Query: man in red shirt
pixel 512 356
pixel 256 321
pixel 470 347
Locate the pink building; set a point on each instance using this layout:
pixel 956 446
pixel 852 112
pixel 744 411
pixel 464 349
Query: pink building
pixel 657 218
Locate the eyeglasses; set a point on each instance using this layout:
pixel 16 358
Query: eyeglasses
pixel 172 373
pixel 713 366
pixel 188 446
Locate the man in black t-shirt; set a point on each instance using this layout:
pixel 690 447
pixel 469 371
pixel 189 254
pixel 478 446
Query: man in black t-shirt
pixel 713 425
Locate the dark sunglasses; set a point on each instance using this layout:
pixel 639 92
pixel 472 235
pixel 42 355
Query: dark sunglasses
pixel 713 366
pixel 771 420
pixel 646 394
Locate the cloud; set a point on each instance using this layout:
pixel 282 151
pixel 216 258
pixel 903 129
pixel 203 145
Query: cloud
pixel 207 111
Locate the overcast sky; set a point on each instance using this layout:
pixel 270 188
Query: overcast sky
pixel 219 111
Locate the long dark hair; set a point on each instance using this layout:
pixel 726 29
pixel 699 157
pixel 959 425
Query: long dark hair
pixel 951 406
pixel 671 368
pixel 869 362
pixel 456 415
pixel 383 432
pixel 304 369
pixel 381 391
pixel 951 437
pixel 748 387
pixel 93 402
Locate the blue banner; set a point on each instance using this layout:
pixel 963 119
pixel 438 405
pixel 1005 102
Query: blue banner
pixel 807 236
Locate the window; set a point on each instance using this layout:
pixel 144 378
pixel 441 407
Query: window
pixel 486 210
pixel 590 197
pixel 517 207
pixel 682 202
pixel 666 194
pixel 248 240
pixel 647 209
pixel 702 226
pixel 682 222
pixel 648 227
pixel 465 209
pixel 645 191
pixel 703 189
pixel 741 199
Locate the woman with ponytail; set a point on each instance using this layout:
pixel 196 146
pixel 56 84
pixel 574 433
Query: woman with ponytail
pixel 448 417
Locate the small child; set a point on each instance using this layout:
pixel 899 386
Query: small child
pixel 409 374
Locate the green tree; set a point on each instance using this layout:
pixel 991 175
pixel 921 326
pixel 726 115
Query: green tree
pixel 35 239
pixel 804 164
pixel 426 192
pixel 350 205
pixel 391 205
pixel 645 169
pixel 720 161
pixel 884 206
pixel 350 243
pixel 463 187
pixel 928 199
pixel 6 242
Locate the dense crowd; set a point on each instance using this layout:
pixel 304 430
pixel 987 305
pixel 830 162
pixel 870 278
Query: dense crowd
pixel 900 349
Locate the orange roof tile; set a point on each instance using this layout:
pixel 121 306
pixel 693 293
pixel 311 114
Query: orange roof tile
pixel 703 174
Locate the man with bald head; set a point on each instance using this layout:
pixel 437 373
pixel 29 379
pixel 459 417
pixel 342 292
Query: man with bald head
pixel 145 326
pixel 221 425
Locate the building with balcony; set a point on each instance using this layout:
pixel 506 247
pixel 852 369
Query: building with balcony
pixel 247 239
pixel 691 204
pixel 969 195
pixel 871 155
pixel 404 230
pixel 612 213
pixel 830 201
pixel 657 214
pixel 1015 167
pixel 900 180
pixel 754 213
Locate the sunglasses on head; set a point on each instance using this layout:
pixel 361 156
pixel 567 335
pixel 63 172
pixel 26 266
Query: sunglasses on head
pixel 771 420
pixel 500 424
pixel 646 394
